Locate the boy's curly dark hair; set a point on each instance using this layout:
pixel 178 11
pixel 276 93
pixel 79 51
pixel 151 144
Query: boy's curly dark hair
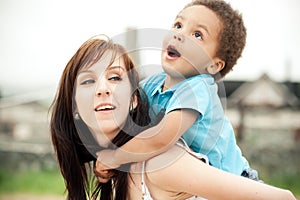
pixel 232 37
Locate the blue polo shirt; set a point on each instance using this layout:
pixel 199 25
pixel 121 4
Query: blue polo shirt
pixel 212 134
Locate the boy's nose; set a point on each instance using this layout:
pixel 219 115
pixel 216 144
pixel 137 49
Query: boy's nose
pixel 178 36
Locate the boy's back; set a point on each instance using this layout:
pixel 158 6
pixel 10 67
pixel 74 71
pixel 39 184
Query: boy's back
pixel 212 133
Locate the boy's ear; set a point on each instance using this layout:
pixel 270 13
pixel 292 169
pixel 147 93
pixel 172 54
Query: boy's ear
pixel 215 68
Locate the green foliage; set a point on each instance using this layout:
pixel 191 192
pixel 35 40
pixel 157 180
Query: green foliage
pixel 36 182
pixel 287 181
pixel 51 182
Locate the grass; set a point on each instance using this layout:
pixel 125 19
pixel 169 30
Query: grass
pixel 290 182
pixel 51 182
pixel 286 179
pixel 36 182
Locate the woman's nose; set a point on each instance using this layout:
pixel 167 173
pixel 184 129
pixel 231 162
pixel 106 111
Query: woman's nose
pixel 102 89
pixel 178 36
pixel 102 92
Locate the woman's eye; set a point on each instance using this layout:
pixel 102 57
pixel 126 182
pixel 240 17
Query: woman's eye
pixel 115 78
pixel 88 81
pixel 198 35
pixel 177 25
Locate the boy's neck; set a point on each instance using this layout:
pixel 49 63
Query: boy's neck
pixel 170 82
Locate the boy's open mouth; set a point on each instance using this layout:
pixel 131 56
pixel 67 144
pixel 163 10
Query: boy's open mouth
pixel 172 52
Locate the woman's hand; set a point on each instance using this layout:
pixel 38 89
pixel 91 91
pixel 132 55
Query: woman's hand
pixel 104 166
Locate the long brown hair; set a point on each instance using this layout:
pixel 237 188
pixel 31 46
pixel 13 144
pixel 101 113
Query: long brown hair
pixel 73 143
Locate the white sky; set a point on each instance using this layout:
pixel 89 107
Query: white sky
pixel 38 37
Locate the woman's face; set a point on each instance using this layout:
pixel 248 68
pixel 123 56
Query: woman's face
pixel 103 95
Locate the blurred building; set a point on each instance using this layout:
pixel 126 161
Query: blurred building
pixel 266 118
pixel 24 131
pixel 261 108
pixel 264 96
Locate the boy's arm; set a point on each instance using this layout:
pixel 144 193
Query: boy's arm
pixel 150 142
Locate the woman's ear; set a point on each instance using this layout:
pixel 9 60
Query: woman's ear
pixel 215 68
pixel 75 113
pixel 134 101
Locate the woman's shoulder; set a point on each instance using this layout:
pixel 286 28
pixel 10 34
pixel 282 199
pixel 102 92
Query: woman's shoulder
pixel 178 158
pixel 162 168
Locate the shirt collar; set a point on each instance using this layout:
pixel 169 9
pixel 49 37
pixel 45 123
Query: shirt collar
pixel 159 86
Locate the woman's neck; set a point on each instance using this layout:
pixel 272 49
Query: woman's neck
pixel 104 140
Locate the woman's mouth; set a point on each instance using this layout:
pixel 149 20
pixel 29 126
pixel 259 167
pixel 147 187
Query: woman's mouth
pixel 172 52
pixel 104 107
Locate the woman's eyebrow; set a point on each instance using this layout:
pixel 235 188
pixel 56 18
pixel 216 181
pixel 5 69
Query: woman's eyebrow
pixel 115 67
pixel 84 71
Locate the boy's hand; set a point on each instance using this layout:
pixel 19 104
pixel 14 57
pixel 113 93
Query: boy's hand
pixel 104 175
pixel 104 165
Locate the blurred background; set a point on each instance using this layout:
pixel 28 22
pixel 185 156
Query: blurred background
pixel 38 37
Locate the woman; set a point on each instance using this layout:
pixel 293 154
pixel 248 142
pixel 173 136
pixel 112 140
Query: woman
pixel 99 101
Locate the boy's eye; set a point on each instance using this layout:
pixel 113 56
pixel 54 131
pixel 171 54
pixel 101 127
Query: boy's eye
pixel 198 35
pixel 88 81
pixel 177 25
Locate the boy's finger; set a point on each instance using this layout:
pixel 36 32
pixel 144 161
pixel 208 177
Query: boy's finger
pixel 102 179
pixel 102 173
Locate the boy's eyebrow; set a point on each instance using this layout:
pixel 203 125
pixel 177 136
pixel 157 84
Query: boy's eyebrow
pixel 198 25
pixel 204 27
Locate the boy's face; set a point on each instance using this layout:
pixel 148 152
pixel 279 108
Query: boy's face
pixel 191 47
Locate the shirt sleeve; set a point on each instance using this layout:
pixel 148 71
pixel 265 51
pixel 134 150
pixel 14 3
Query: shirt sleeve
pixel 191 94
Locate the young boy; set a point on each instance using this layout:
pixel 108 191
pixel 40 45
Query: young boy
pixel 208 38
